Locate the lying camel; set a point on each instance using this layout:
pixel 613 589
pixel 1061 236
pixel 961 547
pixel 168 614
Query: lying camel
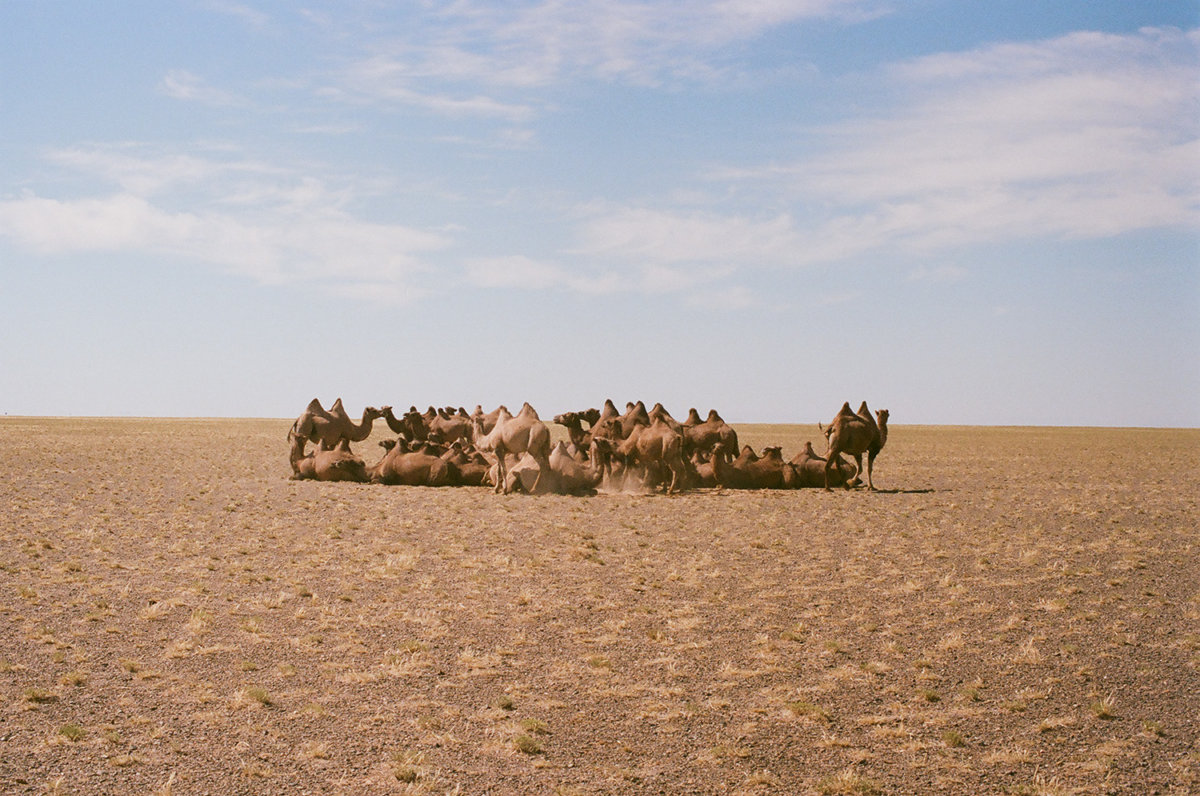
pixel 533 476
pixel 403 466
pixel 768 471
pixel 810 469
pixel 327 428
pixel 575 476
pixel 472 466
pixel 337 464
pixel 515 435
pixel 855 434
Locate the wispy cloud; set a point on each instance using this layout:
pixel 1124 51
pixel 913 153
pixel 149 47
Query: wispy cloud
pixel 251 16
pixel 268 224
pixel 181 84
pixel 510 49
pixel 1087 135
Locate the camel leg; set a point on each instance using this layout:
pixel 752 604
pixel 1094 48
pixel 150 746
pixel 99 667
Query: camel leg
pixel 858 462
pixel 501 473
pixel 831 457
pixel 870 467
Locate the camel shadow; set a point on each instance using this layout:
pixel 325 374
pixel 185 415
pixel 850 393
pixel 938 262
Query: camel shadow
pixel 905 491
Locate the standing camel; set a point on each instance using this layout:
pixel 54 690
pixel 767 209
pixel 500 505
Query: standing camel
pixel 515 434
pixel 855 434
pixel 327 428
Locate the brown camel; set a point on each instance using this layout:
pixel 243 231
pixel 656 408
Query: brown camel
pixel 855 434
pixel 327 428
pixel 337 464
pixel 488 419
pixel 573 423
pixel 576 476
pixel 607 424
pixel 472 466
pixel 810 469
pixel 405 466
pixel 515 435
pixel 656 447
pixel 635 415
pixel 703 436
pixel 768 471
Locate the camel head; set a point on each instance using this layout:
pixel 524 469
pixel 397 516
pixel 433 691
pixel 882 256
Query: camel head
pixel 591 416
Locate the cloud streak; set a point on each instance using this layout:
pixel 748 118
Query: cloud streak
pixel 517 49
pixel 275 228
pixel 1083 136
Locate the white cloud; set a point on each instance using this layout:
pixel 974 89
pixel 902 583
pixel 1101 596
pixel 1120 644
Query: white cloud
pixel 183 85
pixel 266 224
pixel 141 171
pixel 518 272
pixel 664 236
pixel 1087 135
pixel 941 273
pixel 515 47
pixel 251 16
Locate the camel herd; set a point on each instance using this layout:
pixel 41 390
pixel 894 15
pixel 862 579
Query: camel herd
pixel 640 449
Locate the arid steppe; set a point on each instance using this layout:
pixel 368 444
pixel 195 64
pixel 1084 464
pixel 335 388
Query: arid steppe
pixel 1017 611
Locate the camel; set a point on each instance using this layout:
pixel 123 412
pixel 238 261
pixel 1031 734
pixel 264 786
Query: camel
pixel 656 446
pixel 487 418
pixel 403 465
pixel 327 428
pixel 702 436
pixel 810 469
pixel 574 477
pixel 448 425
pixel 856 433
pixel 659 411
pixel 607 424
pixel 512 434
pixel 439 425
pixel 768 471
pixel 704 469
pixel 336 464
pixel 410 425
pixel 472 466
pixel 573 422
pixel 635 415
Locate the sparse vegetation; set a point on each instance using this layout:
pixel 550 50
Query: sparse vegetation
pixel 1018 623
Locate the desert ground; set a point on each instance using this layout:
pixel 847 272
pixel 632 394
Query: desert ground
pixel 1016 611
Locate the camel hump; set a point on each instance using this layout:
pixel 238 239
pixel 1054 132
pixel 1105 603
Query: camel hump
pixel 863 410
pixel 713 417
pixel 315 406
pixel 337 405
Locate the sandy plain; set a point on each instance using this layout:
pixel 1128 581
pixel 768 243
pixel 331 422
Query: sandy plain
pixel 1017 612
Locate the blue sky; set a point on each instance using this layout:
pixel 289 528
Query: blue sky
pixel 965 212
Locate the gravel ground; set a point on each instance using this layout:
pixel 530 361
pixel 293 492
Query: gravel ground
pixel 1016 611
